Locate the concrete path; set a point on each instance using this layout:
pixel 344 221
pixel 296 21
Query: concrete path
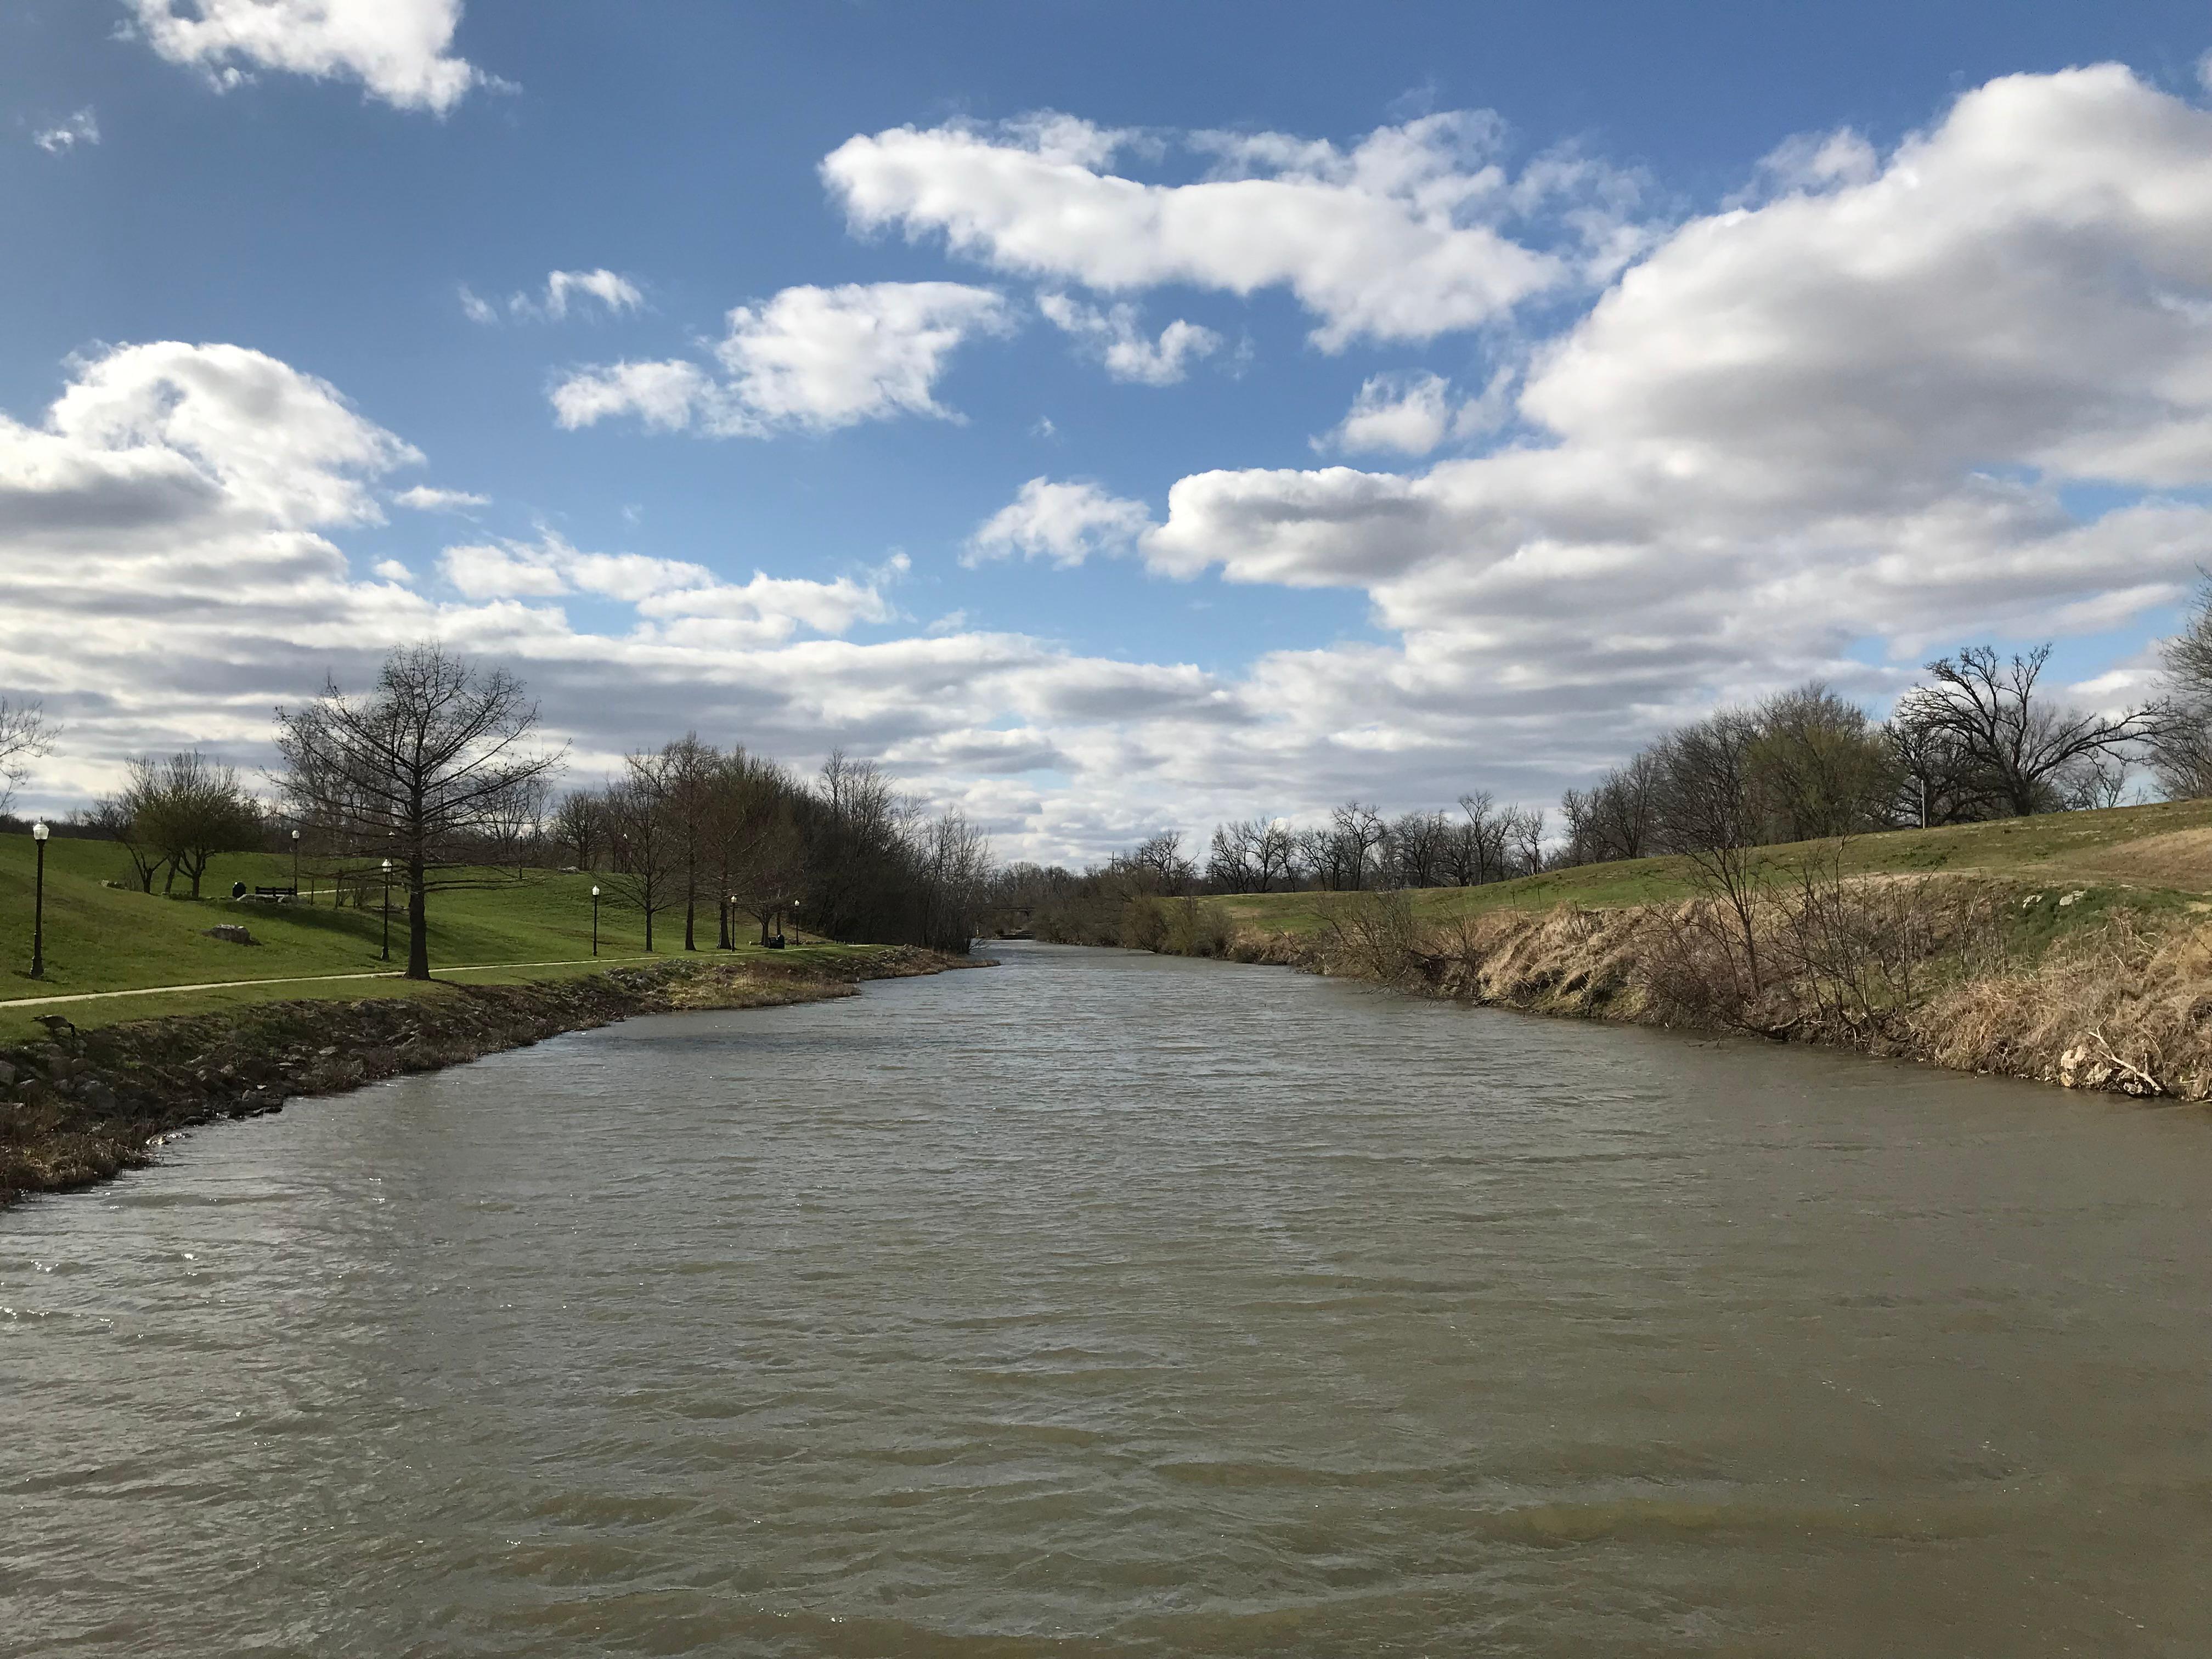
pixel 311 979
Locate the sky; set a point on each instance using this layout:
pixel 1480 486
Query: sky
pixel 1107 417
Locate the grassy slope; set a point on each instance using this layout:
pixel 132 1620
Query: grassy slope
pixel 2157 857
pixel 98 938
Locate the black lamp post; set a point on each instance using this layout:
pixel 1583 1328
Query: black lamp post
pixel 388 910
pixel 295 866
pixel 39 832
pixel 595 921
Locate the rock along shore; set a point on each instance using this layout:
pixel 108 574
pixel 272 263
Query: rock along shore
pixel 84 1105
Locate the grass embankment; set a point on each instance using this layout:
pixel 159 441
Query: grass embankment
pixel 2075 948
pixel 112 938
pixel 2155 858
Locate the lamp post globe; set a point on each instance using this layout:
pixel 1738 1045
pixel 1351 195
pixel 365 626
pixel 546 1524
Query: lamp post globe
pixel 39 833
pixel 387 911
pixel 595 920
pixel 295 866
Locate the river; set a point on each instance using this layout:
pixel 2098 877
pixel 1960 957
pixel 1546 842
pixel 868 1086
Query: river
pixel 1103 1303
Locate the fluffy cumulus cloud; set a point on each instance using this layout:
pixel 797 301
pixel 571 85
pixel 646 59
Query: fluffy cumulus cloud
pixel 175 515
pixel 677 602
pixel 1064 523
pixel 1887 403
pixel 1112 336
pixel 82 128
pixel 400 51
pixel 1412 412
pixel 811 360
pixel 1852 412
pixel 1404 235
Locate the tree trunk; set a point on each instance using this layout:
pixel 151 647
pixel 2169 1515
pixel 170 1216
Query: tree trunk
pixel 418 924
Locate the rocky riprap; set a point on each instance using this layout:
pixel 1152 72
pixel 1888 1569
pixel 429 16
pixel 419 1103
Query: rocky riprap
pixel 81 1105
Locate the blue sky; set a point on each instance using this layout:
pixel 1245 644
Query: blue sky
pixel 1650 424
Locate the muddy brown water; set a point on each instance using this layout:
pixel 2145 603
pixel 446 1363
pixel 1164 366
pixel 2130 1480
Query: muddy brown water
pixel 1103 1304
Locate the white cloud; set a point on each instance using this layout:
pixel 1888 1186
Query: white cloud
pixel 423 498
pixel 810 359
pixel 82 128
pixel 613 292
pixel 1411 412
pixel 392 571
pixel 1811 162
pixel 1397 238
pixel 1066 523
pixel 1112 336
pixel 617 294
pixel 400 51
pixel 1847 417
pixel 663 395
pixel 677 602
pixel 1848 414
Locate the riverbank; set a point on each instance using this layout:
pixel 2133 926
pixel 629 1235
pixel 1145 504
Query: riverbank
pixel 82 1105
pixel 2104 987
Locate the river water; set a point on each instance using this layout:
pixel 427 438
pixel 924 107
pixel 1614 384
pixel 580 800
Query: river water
pixel 1103 1304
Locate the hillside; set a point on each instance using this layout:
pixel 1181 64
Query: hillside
pixel 103 937
pixel 2158 856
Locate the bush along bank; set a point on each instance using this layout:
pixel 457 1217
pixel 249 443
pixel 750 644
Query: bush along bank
pixel 2083 989
pixel 81 1106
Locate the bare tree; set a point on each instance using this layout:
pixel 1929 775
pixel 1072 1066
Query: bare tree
pixel 953 860
pixel 1619 817
pixel 1159 863
pixel 1250 855
pixel 690 778
pixel 184 810
pixel 760 864
pixel 116 817
pixel 1522 837
pixel 1416 843
pixel 645 859
pixel 2182 750
pixel 580 824
pixel 1708 814
pixel 24 735
pixel 418 769
pixel 2021 745
pixel 517 828
pixel 1357 831
pixel 1475 852
pixel 1232 864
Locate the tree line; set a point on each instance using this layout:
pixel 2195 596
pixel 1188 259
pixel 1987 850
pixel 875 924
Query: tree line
pixel 1981 738
pixel 436 777
pixel 1356 848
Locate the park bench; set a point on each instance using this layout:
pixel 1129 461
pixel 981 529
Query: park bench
pixel 268 892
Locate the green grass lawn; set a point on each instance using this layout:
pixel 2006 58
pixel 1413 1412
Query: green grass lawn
pixel 2158 856
pixel 100 938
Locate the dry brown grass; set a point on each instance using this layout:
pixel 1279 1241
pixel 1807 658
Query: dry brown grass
pixel 1917 968
pixel 2181 860
pixel 2127 1007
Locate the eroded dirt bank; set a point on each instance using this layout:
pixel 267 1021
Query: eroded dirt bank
pixel 81 1106
pixel 1953 972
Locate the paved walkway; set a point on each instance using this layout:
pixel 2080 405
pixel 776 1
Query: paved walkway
pixel 311 979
